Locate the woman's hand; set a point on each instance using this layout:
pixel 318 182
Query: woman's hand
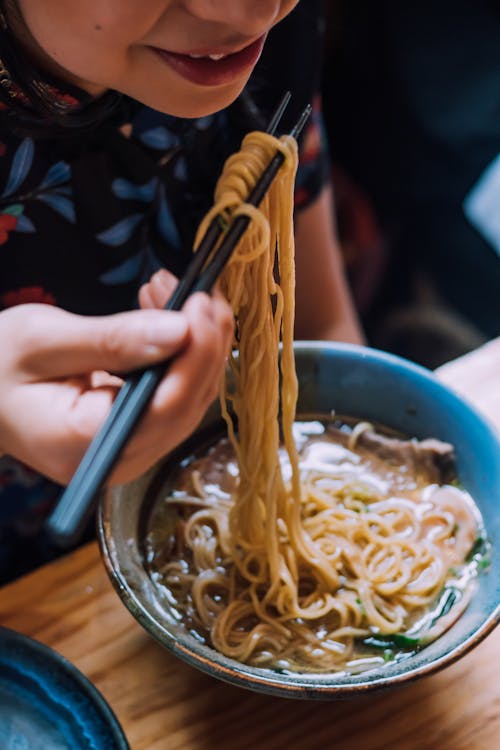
pixel 56 388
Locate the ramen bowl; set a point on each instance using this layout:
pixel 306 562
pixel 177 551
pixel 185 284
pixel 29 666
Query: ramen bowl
pixel 365 384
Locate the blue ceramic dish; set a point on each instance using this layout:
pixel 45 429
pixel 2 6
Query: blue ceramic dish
pixel 363 383
pixel 47 704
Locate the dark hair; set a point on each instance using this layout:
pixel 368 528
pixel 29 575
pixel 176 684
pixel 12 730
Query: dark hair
pixel 38 103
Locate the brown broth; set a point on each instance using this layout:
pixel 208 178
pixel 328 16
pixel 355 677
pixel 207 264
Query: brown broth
pixel 324 445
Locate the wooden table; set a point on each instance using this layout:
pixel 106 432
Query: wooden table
pixel 164 704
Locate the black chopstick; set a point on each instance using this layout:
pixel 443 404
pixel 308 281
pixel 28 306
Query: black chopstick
pixel 72 511
pixel 175 302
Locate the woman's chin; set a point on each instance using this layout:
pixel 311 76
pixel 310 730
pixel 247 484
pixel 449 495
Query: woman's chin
pixel 200 102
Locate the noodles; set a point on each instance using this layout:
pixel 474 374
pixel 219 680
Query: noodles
pixel 297 562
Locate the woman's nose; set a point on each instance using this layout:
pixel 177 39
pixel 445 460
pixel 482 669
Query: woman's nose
pixel 248 17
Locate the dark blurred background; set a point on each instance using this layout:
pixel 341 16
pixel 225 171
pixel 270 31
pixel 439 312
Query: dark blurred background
pixel 411 94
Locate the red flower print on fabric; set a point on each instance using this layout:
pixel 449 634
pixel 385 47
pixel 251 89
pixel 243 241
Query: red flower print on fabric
pixel 62 97
pixel 25 295
pixel 8 222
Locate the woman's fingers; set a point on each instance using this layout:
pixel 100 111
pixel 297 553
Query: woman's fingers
pixel 158 290
pixel 194 369
pixel 52 424
pixel 189 386
pixel 57 390
pixel 58 344
pixel 192 383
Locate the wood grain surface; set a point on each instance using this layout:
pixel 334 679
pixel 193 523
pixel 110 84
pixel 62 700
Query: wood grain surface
pixel 164 704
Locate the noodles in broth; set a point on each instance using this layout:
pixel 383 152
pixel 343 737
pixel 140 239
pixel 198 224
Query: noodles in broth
pixel 277 559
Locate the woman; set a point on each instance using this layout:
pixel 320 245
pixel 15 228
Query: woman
pixel 116 120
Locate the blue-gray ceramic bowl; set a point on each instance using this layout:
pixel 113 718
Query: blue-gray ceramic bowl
pixel 46 703
pixel 371 385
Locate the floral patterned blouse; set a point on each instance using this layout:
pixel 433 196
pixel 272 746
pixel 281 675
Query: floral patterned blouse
pixel 86 218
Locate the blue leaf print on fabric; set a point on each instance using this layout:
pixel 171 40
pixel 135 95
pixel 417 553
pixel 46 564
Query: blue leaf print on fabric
pixel 203 123
pixel 63 190
pixel 61 204
pixel 180 169
pixel 128 191
pixel 150 266
pixel 24 225
pixel 159 138
pixel 125 272
pixel 21 165
pixel 57 174
pixel 152 263
pixel 120 232
pixel 165 222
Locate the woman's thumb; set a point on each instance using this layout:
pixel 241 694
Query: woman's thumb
pixel 63 344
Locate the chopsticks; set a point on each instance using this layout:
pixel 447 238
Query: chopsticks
pixel 72 512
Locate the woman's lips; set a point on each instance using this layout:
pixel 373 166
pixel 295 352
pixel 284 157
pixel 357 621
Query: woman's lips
pixel 205 71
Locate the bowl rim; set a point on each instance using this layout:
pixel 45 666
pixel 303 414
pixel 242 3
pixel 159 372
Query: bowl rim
pixel 300 685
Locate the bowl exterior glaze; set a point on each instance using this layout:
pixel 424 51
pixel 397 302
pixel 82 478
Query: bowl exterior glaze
pixel 371 385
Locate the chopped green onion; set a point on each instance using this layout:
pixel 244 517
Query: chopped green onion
pixel 361 606
pixel 447 599
pixel 478 548
pixel 397 640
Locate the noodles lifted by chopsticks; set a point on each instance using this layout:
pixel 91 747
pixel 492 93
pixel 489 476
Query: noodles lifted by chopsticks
pixel 289 568
pixel 264 312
